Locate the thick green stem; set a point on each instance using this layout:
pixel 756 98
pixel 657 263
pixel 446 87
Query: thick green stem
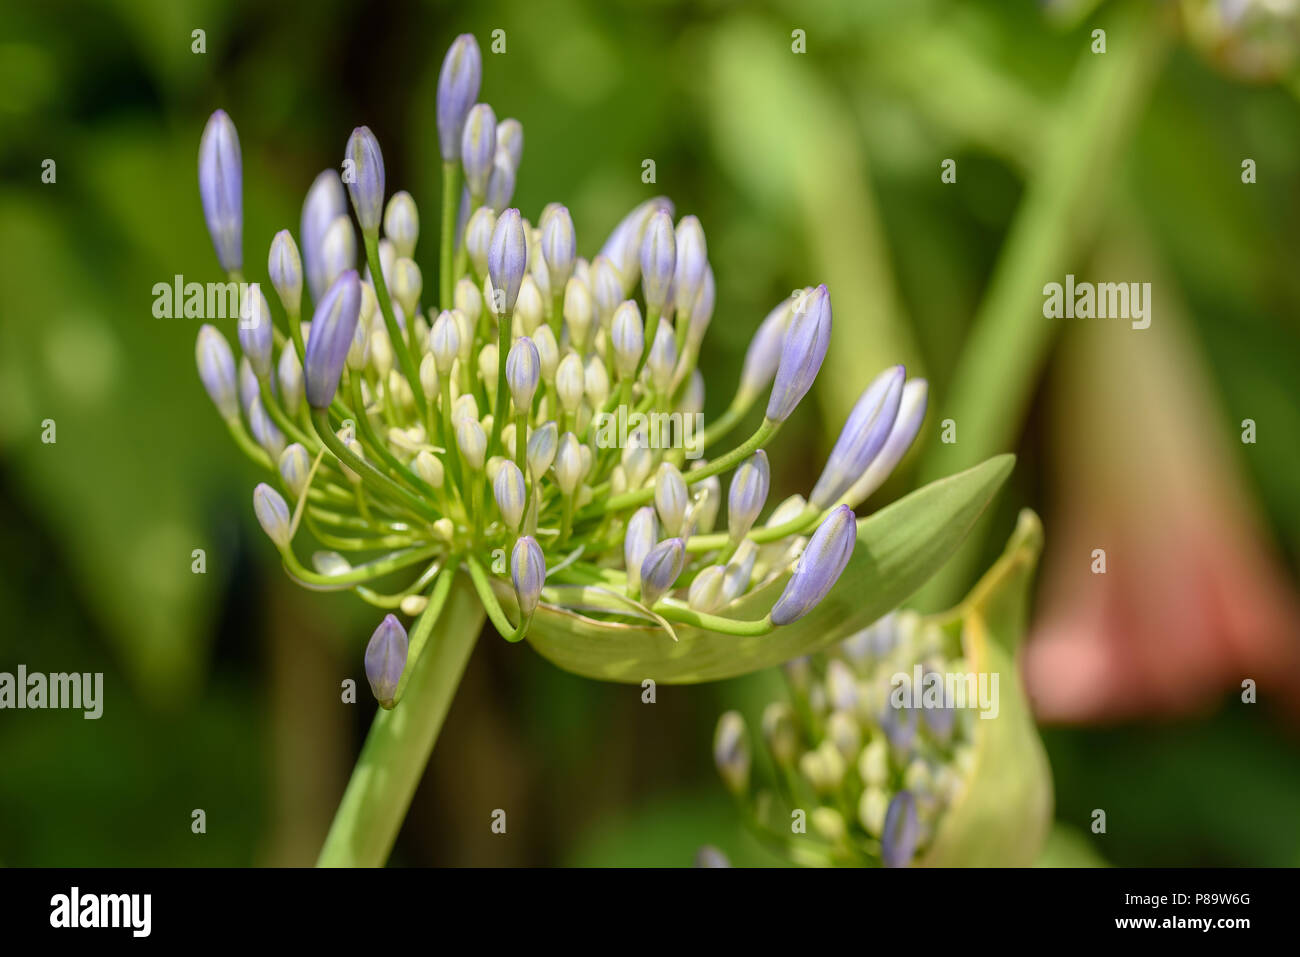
pixel 401 740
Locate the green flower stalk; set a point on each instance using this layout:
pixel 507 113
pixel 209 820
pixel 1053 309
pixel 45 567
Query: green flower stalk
pixel 530 439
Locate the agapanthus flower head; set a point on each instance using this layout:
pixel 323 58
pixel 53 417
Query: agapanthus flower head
pixel 427 432
pixel 839 745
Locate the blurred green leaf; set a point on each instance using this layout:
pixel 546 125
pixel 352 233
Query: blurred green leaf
pixel 791 144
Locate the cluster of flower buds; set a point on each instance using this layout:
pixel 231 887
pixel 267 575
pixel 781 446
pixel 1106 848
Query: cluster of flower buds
pixel 464 434
pixel 863 763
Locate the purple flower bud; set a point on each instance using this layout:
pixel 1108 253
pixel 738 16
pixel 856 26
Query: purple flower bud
pixel 801 354
pixel 507 258
pixel 386 659
pixel 332 328
pixel 458 83
pixel 478 149
pixel 692 261
pixel 901 832
pixel 264 430
pixel 284 266
pixel 911 412
pixel 642 533
pixel 559 247
pixel 366 184
pixel 501 184
pixel 221 181
pixel 731 751
pixel 819 567
pixel 865 433
pixel 510 141
pixel 623 248
pixel 272 514
pixel 658 260
pixel 325 203
pixel 660 569
pixel 255 336
pixel 523 370
pixel 528 572
pixel 627 338
pixel 747 495
pixel 216 362
pixel 764 352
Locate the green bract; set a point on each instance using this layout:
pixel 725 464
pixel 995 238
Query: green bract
pixel 909 743
pixel 500 440
pixel 898 548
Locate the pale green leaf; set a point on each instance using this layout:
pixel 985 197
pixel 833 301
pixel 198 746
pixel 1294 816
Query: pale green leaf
pixel 1004 813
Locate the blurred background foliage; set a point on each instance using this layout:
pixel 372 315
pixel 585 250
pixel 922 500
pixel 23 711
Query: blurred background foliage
pixel 222 689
